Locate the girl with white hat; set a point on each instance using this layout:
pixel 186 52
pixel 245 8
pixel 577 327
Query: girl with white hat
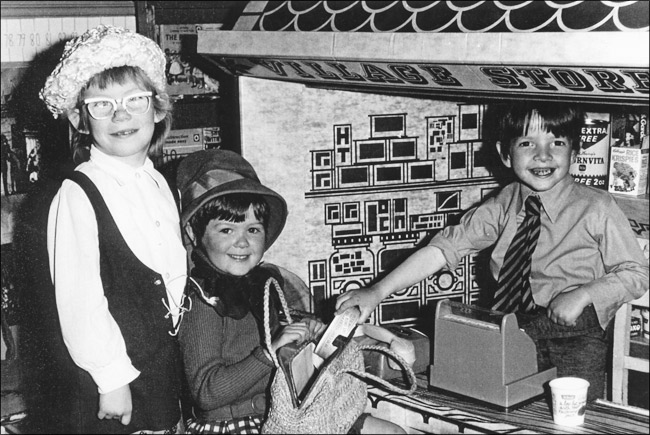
pixel 116 256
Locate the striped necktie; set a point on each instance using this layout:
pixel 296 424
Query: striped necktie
pixel 513 293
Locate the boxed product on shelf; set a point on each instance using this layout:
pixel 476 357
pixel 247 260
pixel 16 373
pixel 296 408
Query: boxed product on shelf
pixel 182 142
pixel 628 171
pixel 212 137
pixel 178 41
pixel 635 327
pixel 591 164
pixel 630 128
pixel 177 38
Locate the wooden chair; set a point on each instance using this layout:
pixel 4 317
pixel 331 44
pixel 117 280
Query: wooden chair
pixel 622 361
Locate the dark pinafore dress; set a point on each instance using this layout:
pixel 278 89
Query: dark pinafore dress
pixel 134 293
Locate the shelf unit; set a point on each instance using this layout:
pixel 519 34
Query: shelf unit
pixel 629 353
pixel 198 110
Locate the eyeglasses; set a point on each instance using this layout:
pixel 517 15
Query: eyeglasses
pixel 102 108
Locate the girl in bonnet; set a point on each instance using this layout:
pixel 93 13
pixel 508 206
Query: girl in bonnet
pixel 116 256
pixel 229 220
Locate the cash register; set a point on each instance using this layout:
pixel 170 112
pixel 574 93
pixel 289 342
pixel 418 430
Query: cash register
pixel 484 356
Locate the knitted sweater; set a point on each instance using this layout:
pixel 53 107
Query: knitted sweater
pixel 224 363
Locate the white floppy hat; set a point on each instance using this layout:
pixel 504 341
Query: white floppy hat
pixel 99 49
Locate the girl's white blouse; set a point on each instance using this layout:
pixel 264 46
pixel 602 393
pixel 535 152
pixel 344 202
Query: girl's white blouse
pixel 144 210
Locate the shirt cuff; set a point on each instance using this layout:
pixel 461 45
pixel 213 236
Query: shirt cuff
pixel 448 251
pixel 607 297
pixel 115 375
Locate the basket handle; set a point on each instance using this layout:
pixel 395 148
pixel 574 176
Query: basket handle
pixel 267 338
pixel 397 357
pixel 267 303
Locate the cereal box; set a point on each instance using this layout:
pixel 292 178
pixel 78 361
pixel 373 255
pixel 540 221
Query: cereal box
pixel 628 171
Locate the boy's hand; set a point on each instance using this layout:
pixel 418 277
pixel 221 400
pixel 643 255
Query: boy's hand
pixel 565 308
pixel 116 405
pixel 366 299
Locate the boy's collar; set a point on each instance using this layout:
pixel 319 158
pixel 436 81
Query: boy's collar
pixel 553 200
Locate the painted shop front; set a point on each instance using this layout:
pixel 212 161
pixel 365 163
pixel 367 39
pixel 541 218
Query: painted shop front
pixel 375 128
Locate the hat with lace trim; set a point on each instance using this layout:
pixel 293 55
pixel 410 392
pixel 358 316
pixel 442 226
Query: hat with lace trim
pixel 99 49
pixel 205 175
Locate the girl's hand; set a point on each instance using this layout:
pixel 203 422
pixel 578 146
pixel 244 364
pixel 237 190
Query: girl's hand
pixel 295 332
pixel 116 405
pixel 316 328
pixel 565 308
pixel 366 299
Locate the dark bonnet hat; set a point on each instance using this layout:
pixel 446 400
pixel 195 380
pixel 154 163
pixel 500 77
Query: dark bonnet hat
pixel 207 174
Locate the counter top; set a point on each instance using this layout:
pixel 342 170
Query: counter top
pixel 433 412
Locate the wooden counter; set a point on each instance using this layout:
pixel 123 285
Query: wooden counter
pixel 432 412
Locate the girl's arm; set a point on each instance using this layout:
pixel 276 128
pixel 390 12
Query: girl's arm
pixel 206 340
pixel 89 331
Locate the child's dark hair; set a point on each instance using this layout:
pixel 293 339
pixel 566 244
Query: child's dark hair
pixel 160 104
pixel 561 119
pixel 231 208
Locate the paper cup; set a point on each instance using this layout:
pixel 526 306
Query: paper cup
pixel 569 400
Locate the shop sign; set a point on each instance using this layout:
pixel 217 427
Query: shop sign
pixel 586 83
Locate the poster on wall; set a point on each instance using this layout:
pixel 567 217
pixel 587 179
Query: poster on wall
pixel 11 157
pixel 21 159
pixel 21 149
pixel 178 41
pixel 371 177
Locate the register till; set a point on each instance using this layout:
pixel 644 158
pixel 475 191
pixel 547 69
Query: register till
pixel 483 355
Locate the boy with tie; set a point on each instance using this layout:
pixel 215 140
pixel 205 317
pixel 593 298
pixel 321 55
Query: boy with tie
pixel 564 256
